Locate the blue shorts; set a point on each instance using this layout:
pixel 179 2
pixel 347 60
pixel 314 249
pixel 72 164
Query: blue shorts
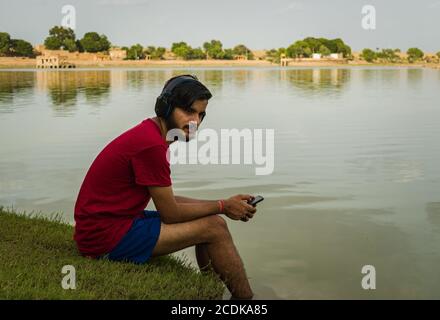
pixel 138 243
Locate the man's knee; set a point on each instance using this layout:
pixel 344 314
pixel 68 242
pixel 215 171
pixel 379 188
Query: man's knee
pixel 217 226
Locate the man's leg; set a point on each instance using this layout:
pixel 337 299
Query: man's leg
pixel 203 258
pixel 213 233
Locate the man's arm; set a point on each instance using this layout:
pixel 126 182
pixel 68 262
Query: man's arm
pixel 180 199
pixel 172 211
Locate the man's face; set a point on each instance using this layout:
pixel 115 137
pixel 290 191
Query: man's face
pixel 180 118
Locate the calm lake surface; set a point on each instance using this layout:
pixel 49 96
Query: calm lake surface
pixel 356 179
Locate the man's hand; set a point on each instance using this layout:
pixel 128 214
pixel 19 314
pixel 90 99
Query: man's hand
pixel 237 208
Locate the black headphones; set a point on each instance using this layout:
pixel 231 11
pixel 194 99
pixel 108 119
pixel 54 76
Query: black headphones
pixel 163 106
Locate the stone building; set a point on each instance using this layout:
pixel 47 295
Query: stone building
pixel 53 62
pixel 117 54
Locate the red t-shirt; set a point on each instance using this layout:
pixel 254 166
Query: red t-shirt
pixel 115 191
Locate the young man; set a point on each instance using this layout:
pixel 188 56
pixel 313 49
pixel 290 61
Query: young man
pixel 109 213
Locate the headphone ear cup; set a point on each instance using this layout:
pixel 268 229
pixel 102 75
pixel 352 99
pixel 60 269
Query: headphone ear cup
pixel 167 105
pixel 162 107
pixel 159 109
pixel 167 114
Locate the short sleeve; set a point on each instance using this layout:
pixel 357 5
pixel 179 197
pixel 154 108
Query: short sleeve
pixel 151 167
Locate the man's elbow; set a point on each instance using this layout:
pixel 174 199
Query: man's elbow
pixel 169 218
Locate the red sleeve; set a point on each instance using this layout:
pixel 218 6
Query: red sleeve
pixel 151 167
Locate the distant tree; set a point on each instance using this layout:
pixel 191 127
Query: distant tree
pixel 324 50
pixel 368 55
pixel 93 42
pixel 388 55
pixel 60 38
pixel 52 43
pixel 79 46
pixel 274 55
pixel 104 43
pixel 341 47
pixel 181 49
pixel 414 54
pixel 299 49
pixel 15 47
pixel 158 53
pixel 155 53
pixel 310 45
pixel 314 44
pixel 136 52
pixel 62 33
pixel 149 50
pixel 336 46
pixel 330 44
pixel 214 49
pixel 296 50
pixel 176 45
pixel 21 48
pixel 5 43
pixel 438 55
pixel 308 52
pixel 229 54
pixel 70 45
pixel 196 53
pixel 241 49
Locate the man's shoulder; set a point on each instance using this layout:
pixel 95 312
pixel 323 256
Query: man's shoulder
pixel 144 135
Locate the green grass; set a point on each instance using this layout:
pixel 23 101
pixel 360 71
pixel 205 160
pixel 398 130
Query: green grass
pixel 33 250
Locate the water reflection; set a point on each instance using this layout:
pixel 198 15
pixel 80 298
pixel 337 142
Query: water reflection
pixel 13 86
pixel 317 81
pixel 433 210
pixel 213 78
pixel 62 89
pixel 384 76
pixel 66 88
pixel 414 76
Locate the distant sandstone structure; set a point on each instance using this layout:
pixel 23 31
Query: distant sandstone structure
pixel 116 53
pixel 65 59
pixel 53 62
pixel 316 57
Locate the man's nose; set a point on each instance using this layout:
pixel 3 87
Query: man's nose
pixel 196 118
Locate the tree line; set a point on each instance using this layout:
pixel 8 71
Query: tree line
pixel 393 55
pixel 64 38
pixel 308 46
pixel 14 47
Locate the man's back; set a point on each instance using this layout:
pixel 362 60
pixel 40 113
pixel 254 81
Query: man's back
pixel 114 191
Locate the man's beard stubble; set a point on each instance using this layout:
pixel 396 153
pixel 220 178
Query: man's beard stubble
pixel 171 124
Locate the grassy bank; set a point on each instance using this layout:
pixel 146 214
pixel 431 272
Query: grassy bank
pixel 33 251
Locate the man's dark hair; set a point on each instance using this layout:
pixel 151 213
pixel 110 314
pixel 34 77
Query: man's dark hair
pixel 183 95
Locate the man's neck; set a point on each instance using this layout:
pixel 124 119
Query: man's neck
pixel 163 129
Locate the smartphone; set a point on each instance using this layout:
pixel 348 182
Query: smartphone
pixel 255 200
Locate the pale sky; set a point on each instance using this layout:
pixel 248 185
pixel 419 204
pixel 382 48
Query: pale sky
pixel 257 24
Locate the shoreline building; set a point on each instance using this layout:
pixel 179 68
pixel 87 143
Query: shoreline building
pixel 53 62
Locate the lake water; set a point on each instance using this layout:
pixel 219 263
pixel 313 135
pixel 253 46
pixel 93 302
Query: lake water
pixel 356 179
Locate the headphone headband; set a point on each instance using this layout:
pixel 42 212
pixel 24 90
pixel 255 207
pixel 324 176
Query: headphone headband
pixel 175 82
pixel 169 87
